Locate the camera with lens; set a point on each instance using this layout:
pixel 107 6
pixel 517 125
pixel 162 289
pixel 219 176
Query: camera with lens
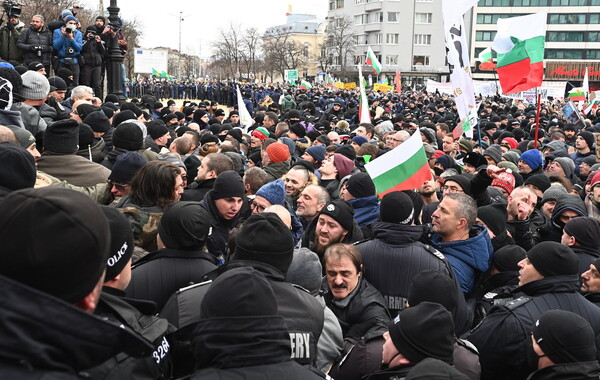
pixel 70 50
pixel 70 28
pixel 91 35
pixel 12 8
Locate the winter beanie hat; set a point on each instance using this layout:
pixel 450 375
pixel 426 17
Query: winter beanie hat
pixel 18 167
pixel 125 167
pixel 540 181
pixel 340 211
pixel 505 181
pixel 507 258
pixel 533 158
pixel 228 184
pixel 121 242
pixel 495 152
pixel 588 137
pixel 35 86
pixel 261 133
pixel 432 286
pixel 343 164
pixel 266 239
pixel 273 191
pixel 360 185
pixel 567 165
pixel 494 216
pixel 128 136
pixel 98 121
pixel 185 226
pixel 62 136
pixel 565 337
pixel 396 207
pixel 462 181
pixel 585 230
pixel 550 258
pixel 317 152
pixel 278 152
pixel 423 331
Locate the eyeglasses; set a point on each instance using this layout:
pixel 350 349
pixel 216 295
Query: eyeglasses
pixel 117 185
pixel 393 139
pixel 452 189
pixel 257 207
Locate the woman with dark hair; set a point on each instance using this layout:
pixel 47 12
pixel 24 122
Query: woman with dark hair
pixel 154 187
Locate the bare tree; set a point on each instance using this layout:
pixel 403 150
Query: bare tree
pixel 340 42
pixel 250 47
pixel 281 52
pixel 227 48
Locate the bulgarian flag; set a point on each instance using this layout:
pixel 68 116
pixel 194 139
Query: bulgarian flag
pixel 580 93
pixel 519 45
pixel 487 60
pixel 467 125
pixel 403 168
pixel 593 106
pixel 373 61
pixel 398 82
pixel 305 85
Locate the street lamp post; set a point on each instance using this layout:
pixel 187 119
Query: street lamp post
pixel 115 58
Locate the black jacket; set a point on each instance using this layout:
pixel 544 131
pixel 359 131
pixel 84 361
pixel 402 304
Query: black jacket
pixel 503 335
pixel 303 313
pixel 586 256
pixel 32 41
pixel 159 274
pixel 308 236
pixel 397 246
pixel 216 243
pixel 92 52
pixel 571 371
pixel 44 337
pixel 362 313
pixel 196 191
pixel 120 310
pixel 245 348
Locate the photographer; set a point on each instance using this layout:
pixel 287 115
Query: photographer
pixel 36 43
pixel 67 42
pixel 92 54
pixel 9 34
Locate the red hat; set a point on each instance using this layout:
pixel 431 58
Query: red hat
pixel 261 133
pixel 511 142
pixel 278 152
pixel 438 153
pixel 595 180
pixel 505 181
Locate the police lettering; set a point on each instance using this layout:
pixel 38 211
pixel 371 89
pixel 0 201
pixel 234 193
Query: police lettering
pixel 396 303
pixel 300 343
pixel 115 258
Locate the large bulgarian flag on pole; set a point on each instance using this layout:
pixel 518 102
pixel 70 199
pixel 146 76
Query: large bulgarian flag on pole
pixel 519 45
pixel 373 61
pixel 403 168
pixel 363 105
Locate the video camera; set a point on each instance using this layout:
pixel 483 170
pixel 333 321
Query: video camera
pixel 12 8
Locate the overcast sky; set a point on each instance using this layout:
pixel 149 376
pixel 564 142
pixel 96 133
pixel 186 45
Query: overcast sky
pixel 202 19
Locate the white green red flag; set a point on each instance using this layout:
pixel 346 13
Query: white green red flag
pixel 579 94
pixel 305 85
pixel 486 59
pixel 593 106
pixel 519 44
pixel 467 125
pixel 403 168
pixel 373 61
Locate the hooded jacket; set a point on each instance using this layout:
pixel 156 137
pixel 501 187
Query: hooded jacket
pixel 468 258
pixel 44 337
pixel 366 210
pixel 216 243
pixel 308 237
pixel 580 371
pixel 502 338
pixel 553 229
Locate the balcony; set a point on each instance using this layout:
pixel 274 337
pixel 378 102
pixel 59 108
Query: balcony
pixel 374 27
pixel 373 6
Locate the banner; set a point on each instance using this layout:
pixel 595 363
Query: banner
pixel 382 87
pixel 339 85
pixel 555 90
pixel 350 85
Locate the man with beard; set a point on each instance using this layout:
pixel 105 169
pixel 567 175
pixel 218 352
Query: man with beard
pixel 592 200
pixel 210 167
pixel 590 283
pixel 310 202
pixel 335 224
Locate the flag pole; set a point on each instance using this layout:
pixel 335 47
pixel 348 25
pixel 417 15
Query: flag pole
pixel 537 117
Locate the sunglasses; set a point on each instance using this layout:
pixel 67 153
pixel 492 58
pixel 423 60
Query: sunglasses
pixel 117 185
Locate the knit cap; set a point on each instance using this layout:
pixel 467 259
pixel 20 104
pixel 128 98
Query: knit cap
pixel 35 86
pixel 278 152
pixel 533 158
pixel 273 191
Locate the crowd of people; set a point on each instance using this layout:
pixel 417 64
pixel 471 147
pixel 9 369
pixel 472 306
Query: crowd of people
pixel 144 239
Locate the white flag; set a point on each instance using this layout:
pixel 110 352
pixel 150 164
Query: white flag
pixel 245 118
pixel 365 117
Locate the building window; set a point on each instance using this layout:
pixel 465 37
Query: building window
pixel 483 18
pixel 494 3
pixel 422 39
pixel 375 17
pixel 392 38
pixel 358 59
pixel 339 4
pixel 377 38
pixel 391 60
pixel 592 54
pixel 594 18
pixel 593 36
pixel 566 18
pixel 358 2
pixel 420 60
pixel 360 19
pixel 361 39
pixel 564 36
pixel 424 1
pixel 423 18
pixel 556 3
pixel 393 16
pixel 531 3
pixel 487 35
pixel 563 54
pixel 594 2
pixel 331 5
pixel 305 50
